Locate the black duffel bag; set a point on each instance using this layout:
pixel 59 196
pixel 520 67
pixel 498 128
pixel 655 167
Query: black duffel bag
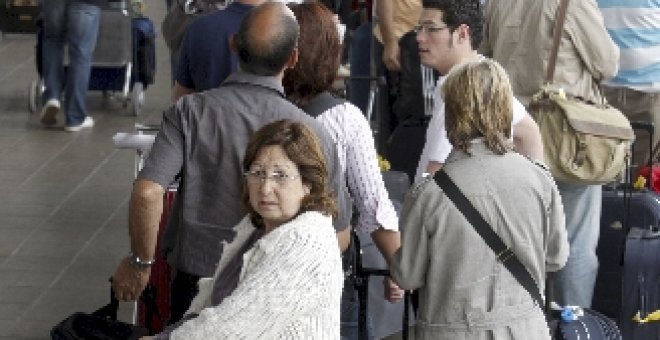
pixel 99 325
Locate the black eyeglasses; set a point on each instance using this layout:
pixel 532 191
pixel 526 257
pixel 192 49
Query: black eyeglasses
pixel 428 29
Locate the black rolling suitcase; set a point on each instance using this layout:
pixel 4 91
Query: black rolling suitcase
pixel 19 16
pixel 628 282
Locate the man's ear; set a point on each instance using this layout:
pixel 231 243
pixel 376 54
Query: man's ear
pixel 464 33
pixel 293 59
pixel 232 43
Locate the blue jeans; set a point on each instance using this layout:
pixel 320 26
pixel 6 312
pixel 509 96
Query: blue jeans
pixel 574 284
pixel 76 24
pixel 358 90
pixel 350 309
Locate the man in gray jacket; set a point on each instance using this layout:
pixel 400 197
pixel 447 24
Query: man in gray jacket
pixel 203 138
pixel 518 34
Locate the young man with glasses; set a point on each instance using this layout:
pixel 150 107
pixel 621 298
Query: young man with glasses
pixel 449 33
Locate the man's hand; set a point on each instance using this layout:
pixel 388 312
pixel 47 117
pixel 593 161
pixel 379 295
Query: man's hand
pixel 129 281
pixel 392 56
pixel 392 292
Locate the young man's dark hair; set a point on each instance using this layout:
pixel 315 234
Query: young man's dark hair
pixel 265 51
pixel 458 12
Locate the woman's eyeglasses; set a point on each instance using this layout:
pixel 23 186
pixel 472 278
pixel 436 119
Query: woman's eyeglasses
pixel 260 176
pixel 428 29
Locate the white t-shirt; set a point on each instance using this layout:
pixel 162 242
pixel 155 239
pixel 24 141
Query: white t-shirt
pixel 437 146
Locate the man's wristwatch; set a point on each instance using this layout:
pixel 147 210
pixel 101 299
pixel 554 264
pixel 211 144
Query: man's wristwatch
pixel 139 263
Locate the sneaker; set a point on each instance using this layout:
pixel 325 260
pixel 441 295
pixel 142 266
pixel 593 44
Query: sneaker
pixel 87 123
pixel 49 111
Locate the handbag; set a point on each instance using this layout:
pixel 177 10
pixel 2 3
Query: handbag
pixel 180 15
pixel 584 142
pixel 590 325
pixel 102 324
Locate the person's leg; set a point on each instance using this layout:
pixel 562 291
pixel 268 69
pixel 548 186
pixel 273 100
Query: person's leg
pixel 574 284
pixel 54 15
pixel 82 30
pixel 350 314
pixel 358 89
pixel 182 291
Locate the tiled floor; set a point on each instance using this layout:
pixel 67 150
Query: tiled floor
pixel 63 207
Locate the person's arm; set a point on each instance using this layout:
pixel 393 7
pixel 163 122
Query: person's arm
pixel 164 162
pixel 527 138
pixel 344 239
pixel 585 26
pixel 432 167
pixel 387 242
pixel 557 246
pixel 390 40
pixel 410 263
pixel 179 91
pixel 282 280
pixel 365 181
pixel 145 209
pixel 437 146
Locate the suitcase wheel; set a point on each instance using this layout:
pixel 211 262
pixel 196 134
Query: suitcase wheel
pixel 35 90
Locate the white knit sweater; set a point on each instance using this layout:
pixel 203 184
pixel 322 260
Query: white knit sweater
pixel 289 287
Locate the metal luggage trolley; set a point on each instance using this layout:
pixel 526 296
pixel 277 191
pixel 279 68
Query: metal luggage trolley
pixel 113 69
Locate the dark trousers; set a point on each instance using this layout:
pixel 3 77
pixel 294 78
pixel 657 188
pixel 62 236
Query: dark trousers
pixel 182 291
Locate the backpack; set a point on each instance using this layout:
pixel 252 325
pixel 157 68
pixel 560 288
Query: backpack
pixel 181 14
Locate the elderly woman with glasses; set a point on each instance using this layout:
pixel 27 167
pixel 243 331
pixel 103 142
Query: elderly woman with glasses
pixel 465 290
pixel 281 276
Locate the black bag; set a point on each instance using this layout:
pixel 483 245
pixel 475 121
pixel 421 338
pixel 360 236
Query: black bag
pixel 180 15
pixel 144 45
pixel 99 325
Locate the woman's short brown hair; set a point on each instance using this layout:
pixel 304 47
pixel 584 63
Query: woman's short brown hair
pixel 303 148
pixel 478 103
pixel 319 53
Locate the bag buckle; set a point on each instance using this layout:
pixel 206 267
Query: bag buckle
pixel 504 255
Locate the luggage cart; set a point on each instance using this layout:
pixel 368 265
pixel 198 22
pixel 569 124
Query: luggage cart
pixel 152 309
pixel 115 62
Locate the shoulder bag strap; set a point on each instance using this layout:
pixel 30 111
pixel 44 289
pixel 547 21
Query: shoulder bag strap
pixel 323 101
pixel 556 39
pixel 504 254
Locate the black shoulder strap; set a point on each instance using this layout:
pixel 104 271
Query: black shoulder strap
pixel 504 254
pixel 323 101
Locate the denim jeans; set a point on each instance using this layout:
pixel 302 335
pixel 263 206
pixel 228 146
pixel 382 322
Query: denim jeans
pixel 358 89
pixel 350 309
pixel 574 284
pixel 73 24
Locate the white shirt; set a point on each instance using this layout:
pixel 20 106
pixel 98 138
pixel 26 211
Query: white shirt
pixel 357 157
pixel 437 146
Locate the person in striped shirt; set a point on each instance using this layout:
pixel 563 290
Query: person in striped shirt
pixel 634 25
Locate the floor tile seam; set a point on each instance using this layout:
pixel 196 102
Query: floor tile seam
pixel 20 65
pixel 74 259
pixel 61 204
pixel 53 157
pixel 46 163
